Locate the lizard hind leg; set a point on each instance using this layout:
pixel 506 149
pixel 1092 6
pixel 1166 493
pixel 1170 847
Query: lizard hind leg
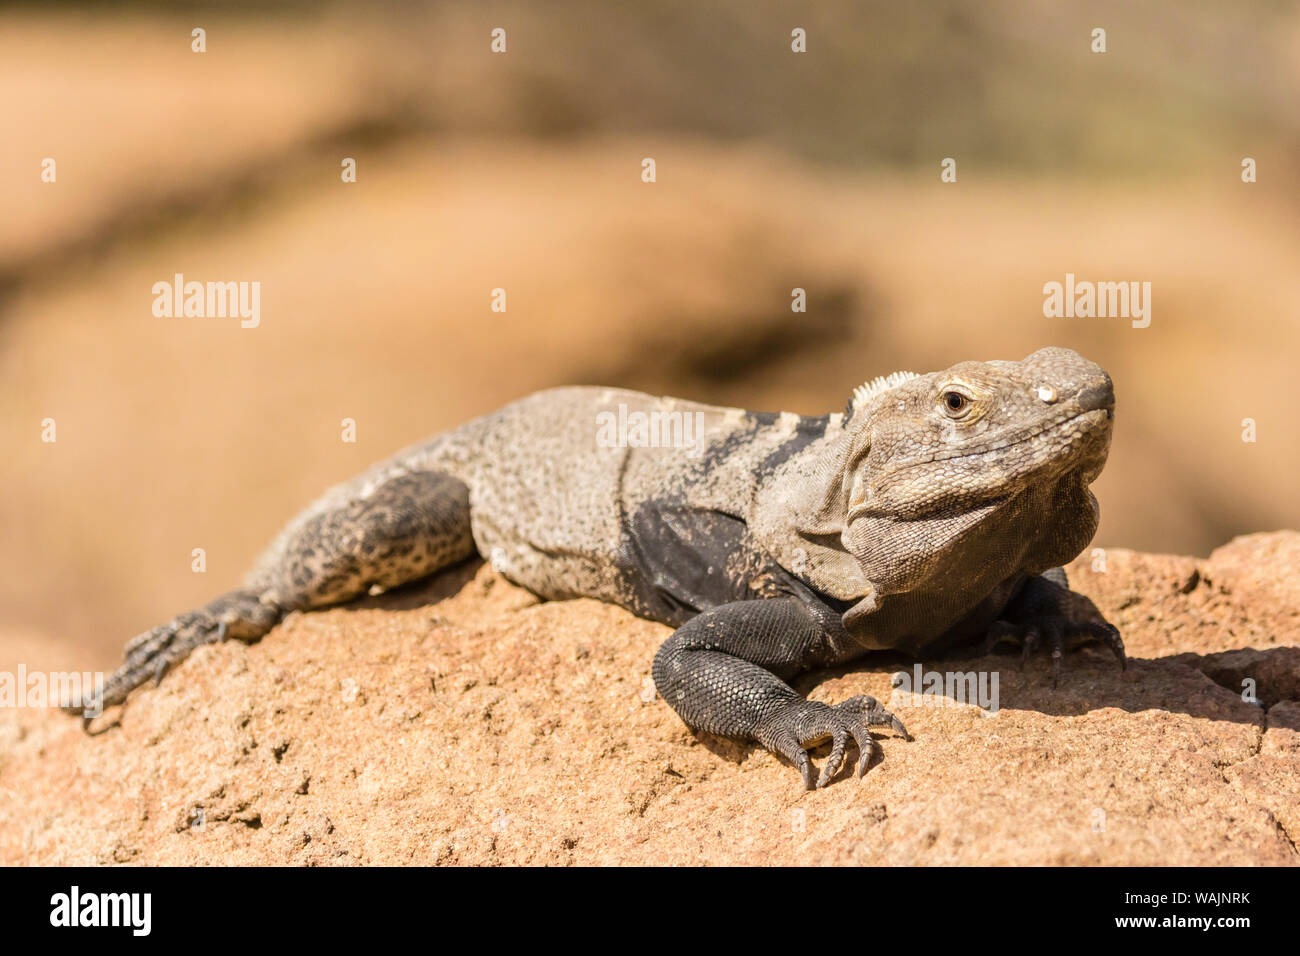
pixel 405 528
pixel 401 529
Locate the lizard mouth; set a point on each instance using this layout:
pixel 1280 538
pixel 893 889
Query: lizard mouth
pixel 1092 426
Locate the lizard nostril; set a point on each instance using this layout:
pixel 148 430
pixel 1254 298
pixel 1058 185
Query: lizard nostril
pixel 1047 393
pixel 1097 397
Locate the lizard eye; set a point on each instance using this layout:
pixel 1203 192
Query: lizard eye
pixel 955 402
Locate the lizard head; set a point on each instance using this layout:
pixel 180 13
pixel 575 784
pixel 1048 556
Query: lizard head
pixel 981 470
pixel 976 432
pixel 945 485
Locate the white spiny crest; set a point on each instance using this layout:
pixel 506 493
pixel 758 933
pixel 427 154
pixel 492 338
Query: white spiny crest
pixel 869 390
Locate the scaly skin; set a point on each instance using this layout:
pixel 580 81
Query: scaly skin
pixel 936 510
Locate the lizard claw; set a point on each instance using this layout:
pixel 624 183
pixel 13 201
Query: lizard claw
pixel 806 723
pixel 1056 642
pixel 1108 634
pixel 1032 638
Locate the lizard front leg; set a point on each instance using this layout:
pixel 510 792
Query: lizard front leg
pixel 724 673
pixel 1046 611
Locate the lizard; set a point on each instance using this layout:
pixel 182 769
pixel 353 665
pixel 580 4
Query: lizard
pixel 935 511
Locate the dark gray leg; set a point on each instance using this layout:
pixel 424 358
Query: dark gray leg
pixel 722 672
pixel 408 527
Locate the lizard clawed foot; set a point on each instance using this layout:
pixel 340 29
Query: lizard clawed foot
pixel 1047 612
pixel 1059 633
pixel 805 723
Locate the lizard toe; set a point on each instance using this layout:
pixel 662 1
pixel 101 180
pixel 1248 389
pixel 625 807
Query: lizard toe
pixel 1032 638
pixel 1108 634
pixel 863 713
pixel 839 737
pixel 784 743
pixel 877 716
pixel 1056 647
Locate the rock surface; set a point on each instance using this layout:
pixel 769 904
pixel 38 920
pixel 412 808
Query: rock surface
pixel 464 722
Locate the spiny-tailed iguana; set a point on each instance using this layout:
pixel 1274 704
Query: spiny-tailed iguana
pixel 936 509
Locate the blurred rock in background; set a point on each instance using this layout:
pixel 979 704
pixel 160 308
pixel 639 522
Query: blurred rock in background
pixel 522 170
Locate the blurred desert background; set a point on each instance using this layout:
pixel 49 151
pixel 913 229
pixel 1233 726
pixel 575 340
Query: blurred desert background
pixel 522 171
